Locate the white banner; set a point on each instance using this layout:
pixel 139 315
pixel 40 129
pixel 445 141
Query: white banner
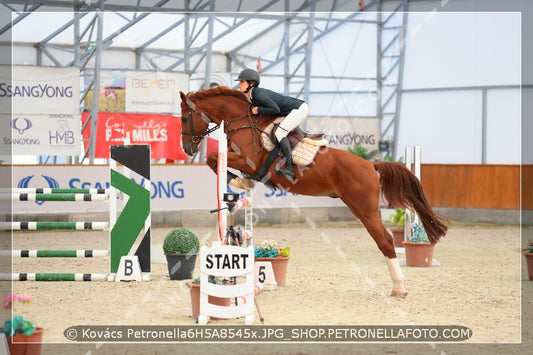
pixel 51 134
pixel 39 90
pixel 174 188
pixel 344 133
pixel 155 92
pixel 216 79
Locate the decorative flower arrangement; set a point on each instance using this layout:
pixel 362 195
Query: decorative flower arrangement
pixel 269 249
pixel 17 325
pixel 419 234
pixel 213 280
pixel 529 248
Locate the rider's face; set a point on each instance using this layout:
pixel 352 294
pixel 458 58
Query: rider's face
pixel 243 85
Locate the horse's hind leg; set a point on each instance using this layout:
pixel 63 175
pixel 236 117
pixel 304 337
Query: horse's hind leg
pixel 383 239
pixel 365 207
pixel 398 288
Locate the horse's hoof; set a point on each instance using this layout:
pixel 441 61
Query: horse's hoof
pixel 242 183
pixel 399 294
pixel 247 183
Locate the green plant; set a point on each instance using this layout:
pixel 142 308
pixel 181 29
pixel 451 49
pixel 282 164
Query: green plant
pixel 399 217
pixel 181 241
pixel 17 325
pixel 363 152
pixel 269 249
pixel 391 158
pixel 529 247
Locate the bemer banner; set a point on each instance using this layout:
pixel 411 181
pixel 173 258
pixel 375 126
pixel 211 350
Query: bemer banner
pixel 156 92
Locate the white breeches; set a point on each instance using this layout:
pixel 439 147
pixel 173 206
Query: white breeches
pixel 292 120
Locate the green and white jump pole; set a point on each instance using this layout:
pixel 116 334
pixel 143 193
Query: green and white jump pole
pixel 129 233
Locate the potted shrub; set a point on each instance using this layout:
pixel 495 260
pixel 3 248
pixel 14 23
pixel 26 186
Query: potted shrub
pixel 181 249
pixel 529 260
pixel 418 250
pixel 278 257
pixel 22 336
pixel 398 233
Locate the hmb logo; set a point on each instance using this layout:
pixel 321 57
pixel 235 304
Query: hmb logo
pixel 62 136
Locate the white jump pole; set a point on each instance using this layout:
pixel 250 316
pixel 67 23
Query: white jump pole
pixel 408 230
pixel 222 178
pixel 417 158
pixel 412 156
pixel 248 219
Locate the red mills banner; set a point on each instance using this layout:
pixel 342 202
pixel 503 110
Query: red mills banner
pixel 162 132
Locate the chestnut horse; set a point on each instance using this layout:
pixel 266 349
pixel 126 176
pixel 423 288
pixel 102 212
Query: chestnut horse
pixel 335 173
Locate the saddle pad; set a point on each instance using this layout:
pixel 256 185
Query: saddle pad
pixel 265 136
pixel 303 153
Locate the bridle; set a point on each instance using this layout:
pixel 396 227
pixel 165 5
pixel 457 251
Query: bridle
pixel 197 138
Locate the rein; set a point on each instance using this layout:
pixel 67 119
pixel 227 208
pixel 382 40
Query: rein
pixel 253 126
pixel 196 138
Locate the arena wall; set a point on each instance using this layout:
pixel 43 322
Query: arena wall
pixel 473 193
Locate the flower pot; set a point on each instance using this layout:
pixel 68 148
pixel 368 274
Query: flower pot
pixel 194 290
pixel 529 263
pixel 181 266
pixel 398 236
pixel 21 344
pixel 279 266
pixel 418 254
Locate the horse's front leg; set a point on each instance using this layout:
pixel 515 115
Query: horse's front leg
pixel 234 161
pixel 212 161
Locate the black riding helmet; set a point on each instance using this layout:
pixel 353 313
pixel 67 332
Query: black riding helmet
pixel 250 76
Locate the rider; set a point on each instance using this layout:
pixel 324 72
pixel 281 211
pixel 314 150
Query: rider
pixel 267 102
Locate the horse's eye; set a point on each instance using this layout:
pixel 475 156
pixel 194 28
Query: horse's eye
pixel 183 120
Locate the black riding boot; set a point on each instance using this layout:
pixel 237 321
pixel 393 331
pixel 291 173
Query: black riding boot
pixel 287 154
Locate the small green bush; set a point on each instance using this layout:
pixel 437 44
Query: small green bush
pixel 181 241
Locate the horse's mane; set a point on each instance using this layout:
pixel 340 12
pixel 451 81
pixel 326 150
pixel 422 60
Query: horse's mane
pixel 216 91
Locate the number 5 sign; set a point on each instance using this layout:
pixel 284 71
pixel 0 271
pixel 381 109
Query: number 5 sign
pixel 265 275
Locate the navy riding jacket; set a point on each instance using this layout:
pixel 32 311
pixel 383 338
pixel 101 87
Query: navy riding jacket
pixel 269 102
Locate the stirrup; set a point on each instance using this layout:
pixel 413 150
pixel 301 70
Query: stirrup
pixel 286 172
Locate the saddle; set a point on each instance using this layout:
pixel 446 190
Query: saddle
pixel 304 145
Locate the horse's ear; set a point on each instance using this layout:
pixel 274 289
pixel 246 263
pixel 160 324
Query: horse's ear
pixel 182 95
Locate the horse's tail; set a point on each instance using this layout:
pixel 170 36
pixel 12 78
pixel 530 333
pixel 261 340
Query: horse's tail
pixel 402 188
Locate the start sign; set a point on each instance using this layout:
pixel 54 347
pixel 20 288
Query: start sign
pixel 226 260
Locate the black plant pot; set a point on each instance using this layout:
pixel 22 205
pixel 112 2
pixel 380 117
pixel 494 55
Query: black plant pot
pixel 181 266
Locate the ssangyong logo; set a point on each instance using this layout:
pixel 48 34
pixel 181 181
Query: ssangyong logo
pixel 21 124
pixel 25 181
pixel 35 91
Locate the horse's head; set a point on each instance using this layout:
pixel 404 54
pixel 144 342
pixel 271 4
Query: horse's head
pixel 200 108
pixel 193 125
